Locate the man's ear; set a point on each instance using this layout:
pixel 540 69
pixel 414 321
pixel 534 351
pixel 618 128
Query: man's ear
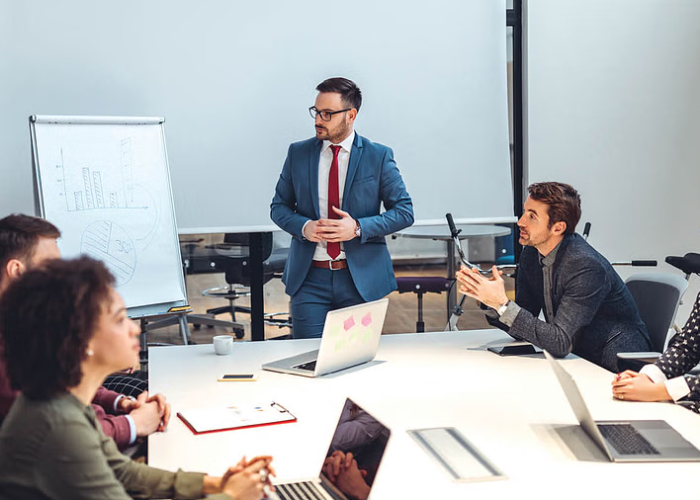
pixel 559 227
pixel 14 268
pixel 352 114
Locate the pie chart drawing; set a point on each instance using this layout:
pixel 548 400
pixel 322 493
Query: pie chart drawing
pixel 109 242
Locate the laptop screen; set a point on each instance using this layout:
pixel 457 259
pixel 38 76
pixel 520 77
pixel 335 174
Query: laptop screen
pixel 355 452
pixel 351 336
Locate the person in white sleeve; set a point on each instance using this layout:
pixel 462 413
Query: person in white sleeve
pixel 668 379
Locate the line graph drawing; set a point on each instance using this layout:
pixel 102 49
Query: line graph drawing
pixel 127 170
pixel 109 242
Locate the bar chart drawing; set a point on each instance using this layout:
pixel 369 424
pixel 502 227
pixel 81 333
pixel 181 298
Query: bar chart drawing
pixel 109 242
pixel 108 191
pixel 91 192
pixel 105 182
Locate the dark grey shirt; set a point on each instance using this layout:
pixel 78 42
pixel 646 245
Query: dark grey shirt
pixel 547 264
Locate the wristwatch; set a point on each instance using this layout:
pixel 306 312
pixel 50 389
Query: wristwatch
pixel 125 397
pixel 502 309
pixel 358 229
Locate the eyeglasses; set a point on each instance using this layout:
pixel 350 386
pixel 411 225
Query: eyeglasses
pixel 325 115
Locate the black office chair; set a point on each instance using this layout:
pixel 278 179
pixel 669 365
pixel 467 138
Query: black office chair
pixel 689 263
pixel 657 296
pixel 195 260
pixel 232 258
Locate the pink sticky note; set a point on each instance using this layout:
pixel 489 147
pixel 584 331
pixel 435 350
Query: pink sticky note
pixel 349 323
pixel 367 320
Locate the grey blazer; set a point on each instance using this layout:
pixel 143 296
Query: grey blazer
pixel 595 317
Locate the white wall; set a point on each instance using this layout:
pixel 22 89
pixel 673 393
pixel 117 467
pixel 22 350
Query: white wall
pixel 234 80
pixel 613 108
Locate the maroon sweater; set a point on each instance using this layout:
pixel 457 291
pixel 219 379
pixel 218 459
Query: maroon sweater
pixel 114 426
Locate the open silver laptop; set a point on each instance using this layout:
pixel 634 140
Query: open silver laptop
pixel 626 441
pixel 350 337
pixel 366 439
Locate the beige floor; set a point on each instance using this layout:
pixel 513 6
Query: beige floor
pixel 401 316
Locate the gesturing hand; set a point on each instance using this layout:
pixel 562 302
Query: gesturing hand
pixel 489 291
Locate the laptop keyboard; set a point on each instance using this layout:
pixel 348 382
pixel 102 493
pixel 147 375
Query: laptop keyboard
pixel 299 491
pixel 310 366
pixel 627 440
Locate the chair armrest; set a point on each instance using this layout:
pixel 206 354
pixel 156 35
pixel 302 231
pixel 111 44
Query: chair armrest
pixel 646 357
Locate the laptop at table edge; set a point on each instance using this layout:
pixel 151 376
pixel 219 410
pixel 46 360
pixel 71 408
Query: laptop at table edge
pixel 578 404
pixel 328 360
pixel 329 488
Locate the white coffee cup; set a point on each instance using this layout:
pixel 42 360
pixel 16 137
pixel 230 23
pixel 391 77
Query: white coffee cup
pixel 223 344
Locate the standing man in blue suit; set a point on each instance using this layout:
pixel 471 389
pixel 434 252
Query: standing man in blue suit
pixel 328 198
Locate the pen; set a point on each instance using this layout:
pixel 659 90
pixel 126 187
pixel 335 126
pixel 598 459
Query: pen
pixel 265 479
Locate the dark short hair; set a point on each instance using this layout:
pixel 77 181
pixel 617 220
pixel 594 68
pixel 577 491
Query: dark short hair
pixel 47 317
pixel 350 93
pixel 563 201
pixel 19 235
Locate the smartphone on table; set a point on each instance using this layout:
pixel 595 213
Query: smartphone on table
pixel 238 377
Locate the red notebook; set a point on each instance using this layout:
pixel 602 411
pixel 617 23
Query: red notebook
pixel 203 420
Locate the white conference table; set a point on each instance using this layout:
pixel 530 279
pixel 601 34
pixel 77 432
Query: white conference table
pixel 511 408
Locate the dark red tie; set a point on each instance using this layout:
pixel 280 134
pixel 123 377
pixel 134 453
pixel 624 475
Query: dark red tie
pixel 333 248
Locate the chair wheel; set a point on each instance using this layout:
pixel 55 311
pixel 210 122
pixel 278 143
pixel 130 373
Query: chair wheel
pixel 210 326
pixel 196 326
pixel 239 332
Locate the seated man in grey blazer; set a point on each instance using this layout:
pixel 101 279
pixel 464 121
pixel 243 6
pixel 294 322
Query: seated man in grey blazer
pixel 587 308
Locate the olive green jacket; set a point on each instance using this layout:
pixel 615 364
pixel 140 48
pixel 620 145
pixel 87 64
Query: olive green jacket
pixel 56 450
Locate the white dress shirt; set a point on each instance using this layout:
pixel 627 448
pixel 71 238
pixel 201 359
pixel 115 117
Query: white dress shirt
pixel 324 168
pixel 129 418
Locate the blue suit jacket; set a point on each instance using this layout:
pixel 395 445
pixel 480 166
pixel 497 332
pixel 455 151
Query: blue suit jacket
pixel 372 179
